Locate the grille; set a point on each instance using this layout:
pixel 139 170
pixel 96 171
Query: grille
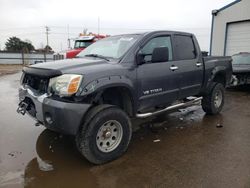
pixel 39 84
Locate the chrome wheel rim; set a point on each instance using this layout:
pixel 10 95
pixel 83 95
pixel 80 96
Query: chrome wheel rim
pixel 218 99
pixel 109 136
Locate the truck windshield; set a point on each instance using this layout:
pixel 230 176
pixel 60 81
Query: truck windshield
pixel 241 59
pixel 82 44
pixel 110 47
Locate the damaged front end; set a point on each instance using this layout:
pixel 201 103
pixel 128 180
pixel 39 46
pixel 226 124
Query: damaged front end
pixel 32 92
pixel 52 112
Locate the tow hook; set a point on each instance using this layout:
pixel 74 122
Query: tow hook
pixel 22 108
pixel 37 124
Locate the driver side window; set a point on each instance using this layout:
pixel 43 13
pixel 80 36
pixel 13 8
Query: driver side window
pixel 157 42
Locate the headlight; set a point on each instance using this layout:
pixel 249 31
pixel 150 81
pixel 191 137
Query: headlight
pixel 65 85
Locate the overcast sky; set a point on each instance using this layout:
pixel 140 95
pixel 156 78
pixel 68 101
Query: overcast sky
pixel 27 19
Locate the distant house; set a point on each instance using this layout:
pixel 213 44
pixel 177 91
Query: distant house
pixel 230 31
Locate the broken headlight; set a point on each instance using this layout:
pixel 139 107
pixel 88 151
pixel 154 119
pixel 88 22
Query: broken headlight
pixel 65 85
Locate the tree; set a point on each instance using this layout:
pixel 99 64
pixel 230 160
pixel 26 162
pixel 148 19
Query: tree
pixel 15 44
pixel 48 49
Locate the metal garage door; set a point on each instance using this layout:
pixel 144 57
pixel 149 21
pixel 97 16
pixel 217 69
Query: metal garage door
pixel 238 38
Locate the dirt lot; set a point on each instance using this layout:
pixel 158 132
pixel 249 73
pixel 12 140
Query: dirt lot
pixel 193 150
pixel 9 69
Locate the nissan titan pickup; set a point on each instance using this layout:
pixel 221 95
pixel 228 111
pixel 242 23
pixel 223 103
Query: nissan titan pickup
pixel 94 96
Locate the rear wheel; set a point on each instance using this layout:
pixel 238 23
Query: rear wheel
pixel 105 135
pixel 213 102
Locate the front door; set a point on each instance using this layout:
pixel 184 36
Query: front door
pixel 158 81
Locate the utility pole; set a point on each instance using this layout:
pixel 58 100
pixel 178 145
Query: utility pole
pixel 47 37
pixel 98 25
pixel 47 34
pixel 69 46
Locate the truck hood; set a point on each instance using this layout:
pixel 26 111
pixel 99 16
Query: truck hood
pixel 91 68
pixel 244 68
pixel 71 65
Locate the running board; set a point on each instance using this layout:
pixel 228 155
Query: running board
pixel 176 106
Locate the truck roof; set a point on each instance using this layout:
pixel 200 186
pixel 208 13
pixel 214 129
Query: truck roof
pixel 155 32
pixel 170 32
pixel 85 38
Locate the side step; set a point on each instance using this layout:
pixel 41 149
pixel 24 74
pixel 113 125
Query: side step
pixel 176 106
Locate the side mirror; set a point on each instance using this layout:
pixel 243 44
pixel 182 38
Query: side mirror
pixel 140 59
pixel 160 55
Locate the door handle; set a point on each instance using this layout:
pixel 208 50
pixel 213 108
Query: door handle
pixel 198 64
pixel 173 68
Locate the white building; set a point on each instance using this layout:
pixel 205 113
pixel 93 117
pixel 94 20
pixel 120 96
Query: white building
pixel 230 31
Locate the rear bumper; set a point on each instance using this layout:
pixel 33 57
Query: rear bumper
pixel 56 115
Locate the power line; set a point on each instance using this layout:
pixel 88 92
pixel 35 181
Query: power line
pixel 22 34
pixel 19 28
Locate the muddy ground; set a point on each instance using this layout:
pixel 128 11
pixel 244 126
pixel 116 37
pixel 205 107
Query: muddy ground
pixel 193 150
pixel 9 69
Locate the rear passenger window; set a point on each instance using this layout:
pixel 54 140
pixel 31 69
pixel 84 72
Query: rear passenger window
pixel 184 47
pixel 157 42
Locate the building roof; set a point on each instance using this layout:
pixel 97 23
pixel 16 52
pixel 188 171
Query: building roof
pixel 229 5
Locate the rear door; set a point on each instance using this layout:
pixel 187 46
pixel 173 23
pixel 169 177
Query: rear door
pixel 190 65
pixel 158 84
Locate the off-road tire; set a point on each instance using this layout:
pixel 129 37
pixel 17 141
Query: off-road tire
pixel 208 101
pixel 86 137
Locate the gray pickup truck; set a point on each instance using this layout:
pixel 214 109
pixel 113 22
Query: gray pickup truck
pixel 241 69
pixel 95 95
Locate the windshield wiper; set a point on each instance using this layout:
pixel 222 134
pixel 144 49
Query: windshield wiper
pixel 98 56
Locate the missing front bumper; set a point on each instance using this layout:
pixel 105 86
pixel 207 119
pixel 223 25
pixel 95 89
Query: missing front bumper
pixel 56 115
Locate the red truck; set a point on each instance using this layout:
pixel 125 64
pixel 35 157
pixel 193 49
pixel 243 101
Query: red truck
pixel 82 42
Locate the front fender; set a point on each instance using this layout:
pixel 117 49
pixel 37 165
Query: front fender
pixel 108 82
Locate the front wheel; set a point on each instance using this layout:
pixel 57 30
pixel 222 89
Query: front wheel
pixel 213 102
pixel 105 135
